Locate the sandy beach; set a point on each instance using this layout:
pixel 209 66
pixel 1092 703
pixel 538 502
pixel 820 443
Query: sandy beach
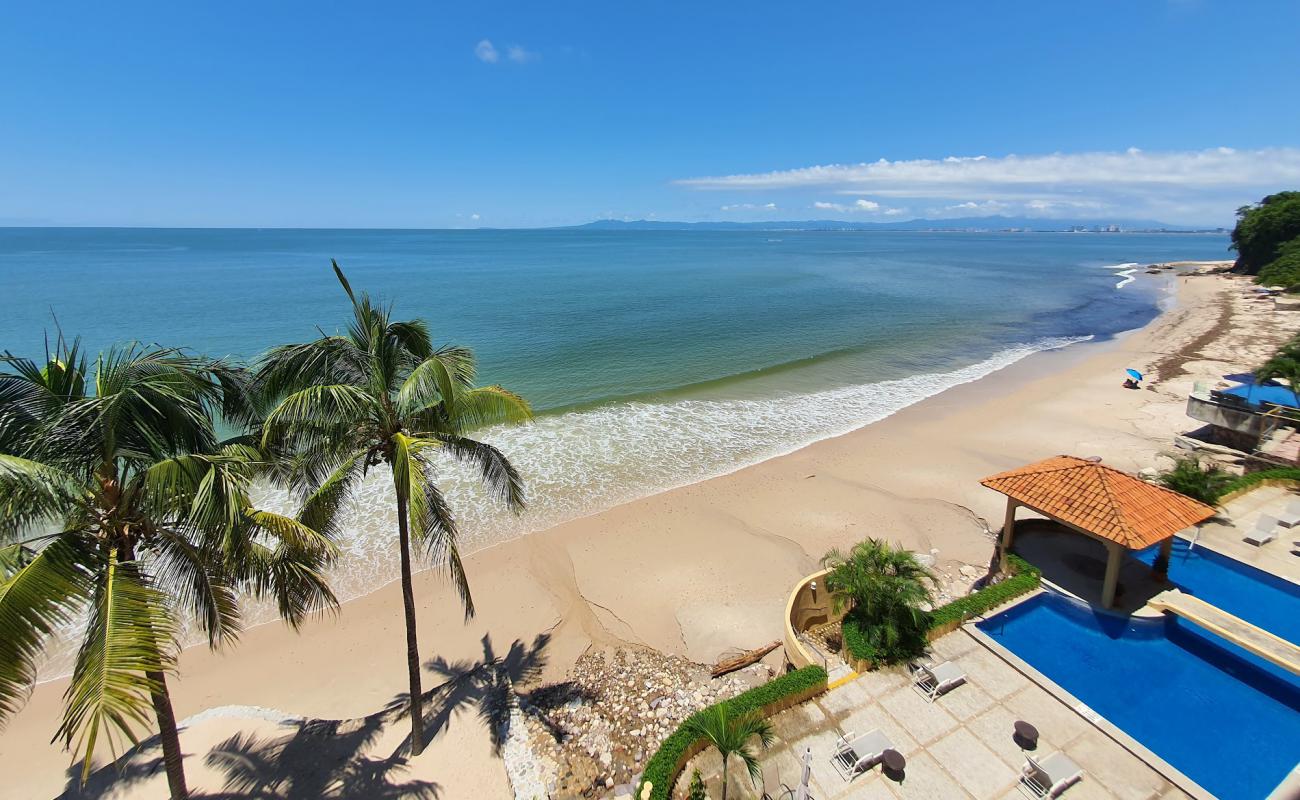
pixel 705 568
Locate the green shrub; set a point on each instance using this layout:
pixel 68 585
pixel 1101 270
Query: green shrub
pixel 1025 578
pixel 855 641
pixel 885 589
pixel 1284 270
pixel 1191 479
pixel 661 769
pixel 1250 479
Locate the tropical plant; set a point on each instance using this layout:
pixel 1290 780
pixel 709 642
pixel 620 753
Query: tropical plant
pixel 381 393
pixel 1284 270
pixel 885 590
pixel 1263 228
pixel 122 513
pixel 730 736
pixel 696 790
pixel 1190 477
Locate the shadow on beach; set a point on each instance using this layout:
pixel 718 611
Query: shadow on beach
pixel 333 758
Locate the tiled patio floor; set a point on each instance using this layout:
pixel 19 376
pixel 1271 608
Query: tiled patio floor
pixel 958 748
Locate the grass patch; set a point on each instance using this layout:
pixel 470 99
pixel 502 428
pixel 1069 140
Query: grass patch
pixel 663 767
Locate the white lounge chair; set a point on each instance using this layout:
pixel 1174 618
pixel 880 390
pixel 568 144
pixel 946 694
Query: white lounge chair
pixel 1048 777
pixel 856 755
pixel 1265 531
pixel 932 681
pixel 1291 516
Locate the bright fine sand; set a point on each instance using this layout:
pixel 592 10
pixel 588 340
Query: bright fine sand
pixel 703 568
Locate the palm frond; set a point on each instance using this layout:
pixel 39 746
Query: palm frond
pixel 193 576
pixel 130 633
pixel 495 470
pixel 33 492
pixel 40 591
pixel 488 405
pixel 313 409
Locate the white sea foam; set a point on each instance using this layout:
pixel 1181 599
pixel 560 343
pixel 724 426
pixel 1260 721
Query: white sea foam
pixel 581 462
pixel 1124 271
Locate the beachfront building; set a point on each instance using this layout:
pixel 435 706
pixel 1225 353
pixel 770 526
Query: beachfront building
pixel 1120 512
pixel 1258 418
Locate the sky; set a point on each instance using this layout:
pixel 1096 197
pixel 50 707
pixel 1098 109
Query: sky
pixel 437 115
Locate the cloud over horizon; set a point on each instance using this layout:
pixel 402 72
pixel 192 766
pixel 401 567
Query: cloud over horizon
pixel 1198 185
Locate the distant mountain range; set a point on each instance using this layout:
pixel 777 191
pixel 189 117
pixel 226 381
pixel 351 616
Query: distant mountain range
pixel 995 223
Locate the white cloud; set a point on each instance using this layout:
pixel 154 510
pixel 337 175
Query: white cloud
pixel 859 205
pixel 520 55
pixel 486 52
pixel 748 207
pixel 1213 181
pixel 473 216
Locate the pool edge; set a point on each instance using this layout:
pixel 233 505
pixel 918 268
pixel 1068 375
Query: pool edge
pixel 1086 712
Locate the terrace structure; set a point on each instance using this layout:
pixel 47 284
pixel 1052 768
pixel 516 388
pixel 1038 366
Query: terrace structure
pixel 1122 512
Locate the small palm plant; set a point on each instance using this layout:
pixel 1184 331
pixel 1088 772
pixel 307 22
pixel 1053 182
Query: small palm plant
pixel 122 513
pixel 383 394
pixel 885 590
pixel 1200 482
pixel 731 736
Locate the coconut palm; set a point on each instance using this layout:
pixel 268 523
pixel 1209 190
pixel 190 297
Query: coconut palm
pixel 122 514
pixel 731 736
pixel 887 589
pixel 381 393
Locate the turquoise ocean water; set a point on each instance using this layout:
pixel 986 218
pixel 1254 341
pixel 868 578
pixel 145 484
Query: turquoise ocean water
pixel 657 358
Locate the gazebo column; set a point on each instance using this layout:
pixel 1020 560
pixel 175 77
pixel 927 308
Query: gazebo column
pixel 1114 557
pixel 1008 532
pixel 1162 561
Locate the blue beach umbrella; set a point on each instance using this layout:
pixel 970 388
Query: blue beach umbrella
pixel 1134 374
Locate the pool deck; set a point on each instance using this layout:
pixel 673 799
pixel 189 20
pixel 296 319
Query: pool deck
pixel 1223 533
pixel 1235 629
pixel 958 747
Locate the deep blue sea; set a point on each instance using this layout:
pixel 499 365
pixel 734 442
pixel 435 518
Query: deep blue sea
pixel 658 358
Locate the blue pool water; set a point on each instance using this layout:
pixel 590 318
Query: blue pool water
pixel 1254 595
pixel 1226 719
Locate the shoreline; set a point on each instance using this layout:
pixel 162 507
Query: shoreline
pixel 704 567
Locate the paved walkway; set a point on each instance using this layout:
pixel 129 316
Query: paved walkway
pixel 1234 629
pixel 957 748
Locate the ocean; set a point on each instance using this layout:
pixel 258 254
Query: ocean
pixel 654 359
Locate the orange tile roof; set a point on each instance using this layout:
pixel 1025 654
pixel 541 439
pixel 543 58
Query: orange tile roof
pixel 1101 500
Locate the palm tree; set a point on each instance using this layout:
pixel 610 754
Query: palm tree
pixel 887 588
pixel 382 394
pixel 730 736
pixel 123 513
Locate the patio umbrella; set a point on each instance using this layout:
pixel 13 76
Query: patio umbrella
pixel 1134 374
pixel 802 793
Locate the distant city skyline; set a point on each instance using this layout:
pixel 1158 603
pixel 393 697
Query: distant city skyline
pixel 294 115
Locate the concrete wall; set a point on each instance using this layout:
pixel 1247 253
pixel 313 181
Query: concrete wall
pixel 805 608
pixel 1248 424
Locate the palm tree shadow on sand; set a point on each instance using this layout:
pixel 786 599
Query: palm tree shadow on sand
pixel 488 687
pixel 328 758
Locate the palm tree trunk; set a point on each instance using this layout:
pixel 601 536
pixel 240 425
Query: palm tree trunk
pixel 724 778
pixel 171 741
pixel 412 646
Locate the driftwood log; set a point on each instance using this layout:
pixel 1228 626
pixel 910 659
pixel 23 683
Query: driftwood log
pixel 733 663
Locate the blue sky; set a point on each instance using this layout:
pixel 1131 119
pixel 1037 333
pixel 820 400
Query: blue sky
pixel 425 114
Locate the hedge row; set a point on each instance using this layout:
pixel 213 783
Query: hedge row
pixel 855 641
pixel 662 768
pixel 1025 577
pixel 1251 478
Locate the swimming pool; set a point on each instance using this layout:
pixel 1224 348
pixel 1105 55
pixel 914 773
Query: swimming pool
pixel 1265 600
pixel 1226 719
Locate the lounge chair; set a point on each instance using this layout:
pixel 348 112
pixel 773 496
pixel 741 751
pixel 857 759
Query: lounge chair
pixel 1048 777
pixel 932 681
pixel 856 755
pixel 1291 516
pixel 1264 532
